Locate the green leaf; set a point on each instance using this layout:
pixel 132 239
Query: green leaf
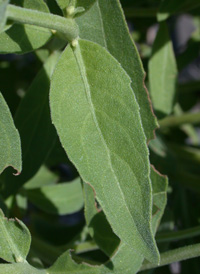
pixel 163 63
pixel 25 38
pixel 35 127
pixel 3 6
pixel 20 268
pixel 98 225
pixel 170 7
pixel 79 5
pixel 10 147
pixel 15 240
pixel 105 24
pixel 65 198
pixel 159 185
pixel 42 178
pixel 107 240
pixel 107 119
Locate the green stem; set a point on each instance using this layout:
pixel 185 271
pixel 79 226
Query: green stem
pixel 140 12
pixel 176 255
pixel 46 20
pixel 178 235
pixel 175 121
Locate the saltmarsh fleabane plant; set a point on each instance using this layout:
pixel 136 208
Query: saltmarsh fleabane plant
pixel 87 109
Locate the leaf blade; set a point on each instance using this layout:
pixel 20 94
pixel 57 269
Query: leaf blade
pixel 10 145
pixel 89 129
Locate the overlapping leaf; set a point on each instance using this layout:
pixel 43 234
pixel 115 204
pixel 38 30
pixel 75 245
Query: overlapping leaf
pixel 3 7
pixel 10 146
pixel 25 38
pixel 35 127
pixel 14 240
pixel 98 122
pixel 105 24
pixel 62 199
pixel 163 63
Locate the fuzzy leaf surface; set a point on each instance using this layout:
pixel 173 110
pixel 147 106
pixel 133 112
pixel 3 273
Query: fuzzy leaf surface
pixel 15 240
pixel 105 139
pixel 25 38
pixel 10 146
pixel 105 24
pixel 163 63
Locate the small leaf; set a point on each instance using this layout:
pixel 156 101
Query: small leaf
pixel 35 127
pixel 15 240
pixel 105 24
pixel 62 199
pixel 3 7
pixel 77 4
pixel 25 38
pixel 170 7
pixel 10 147
pixel 163 63
pixel 105 139
pixel 42 178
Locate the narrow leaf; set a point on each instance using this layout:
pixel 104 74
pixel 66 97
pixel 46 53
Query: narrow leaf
pixel 15 240
pixel 62 199
pixel 35 127
pixel 10 147
pixel 3 6
pixel 25 38
pixel 105 24
pixel 163 64
pixel 105 139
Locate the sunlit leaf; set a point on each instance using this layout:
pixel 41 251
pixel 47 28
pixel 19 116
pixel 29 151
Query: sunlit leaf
pixel 15 240
pixel 105 139
pixel 62 199
pixel 163 63
pixel 3 6
pixel 105 24
pixel 25 38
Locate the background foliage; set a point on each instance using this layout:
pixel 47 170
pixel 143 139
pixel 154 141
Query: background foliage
pixel 57 209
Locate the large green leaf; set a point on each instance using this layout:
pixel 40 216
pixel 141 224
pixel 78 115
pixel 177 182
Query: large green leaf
pixel 15 240
pixel 163 73
pixel 65 198
pixel 10 147
pixel 3 7
pixel 35 127
pixel 85 4
pixel 105 24
pixel 97 118
pixel 25 38
pixel 170 7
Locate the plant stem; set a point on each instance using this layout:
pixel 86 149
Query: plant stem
pixel 176 255
pixel 46 20
pixel 140 12
pixel 175 121
pixel 178 235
